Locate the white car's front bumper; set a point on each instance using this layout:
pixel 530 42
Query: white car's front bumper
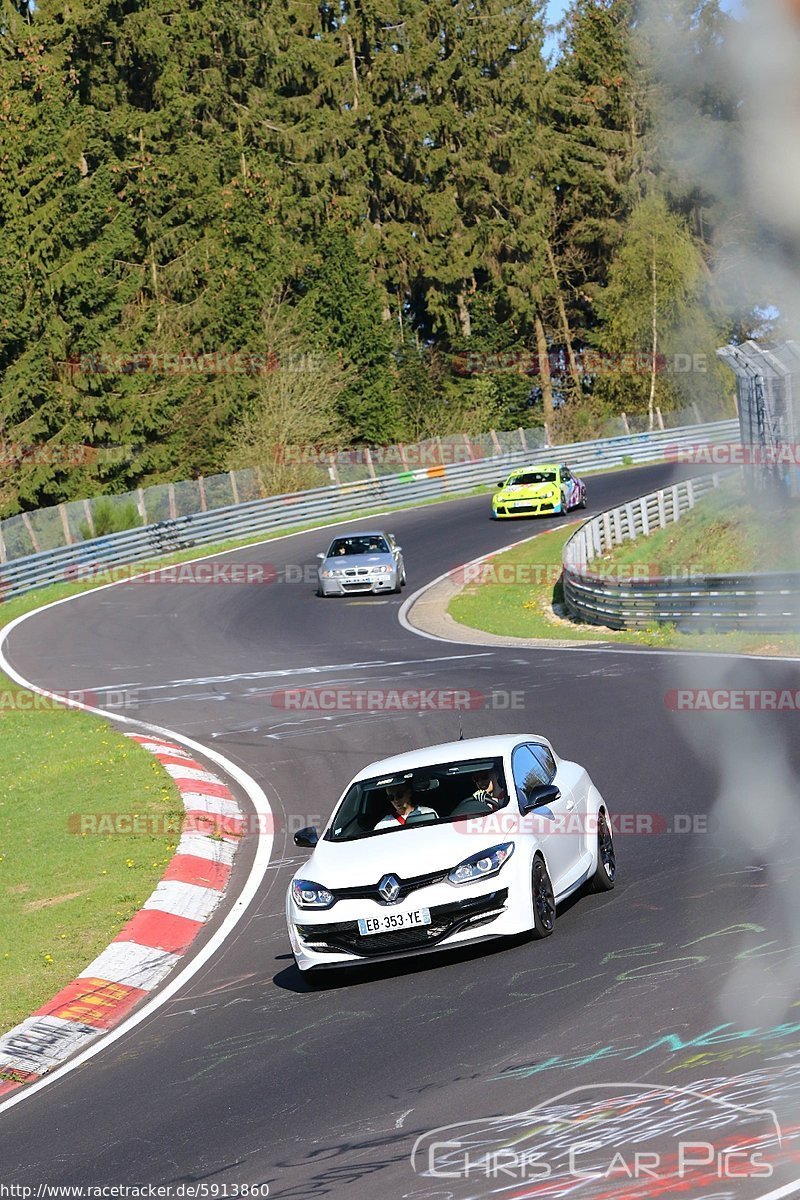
pixel 459 915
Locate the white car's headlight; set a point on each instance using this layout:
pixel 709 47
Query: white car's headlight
pixel 482 865
pixel 382 570
pixel 329 573
pixel 310 895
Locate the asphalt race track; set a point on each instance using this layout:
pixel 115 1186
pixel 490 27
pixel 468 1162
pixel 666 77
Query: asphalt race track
pixel 660 1019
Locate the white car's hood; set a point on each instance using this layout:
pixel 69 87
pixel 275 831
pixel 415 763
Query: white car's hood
pixel 412 850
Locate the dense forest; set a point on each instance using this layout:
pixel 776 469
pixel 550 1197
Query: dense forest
pixel 229 226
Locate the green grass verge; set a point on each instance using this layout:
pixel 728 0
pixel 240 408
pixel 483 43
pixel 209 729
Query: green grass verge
pixel 65 895
pixel 725 533
pixel 531 608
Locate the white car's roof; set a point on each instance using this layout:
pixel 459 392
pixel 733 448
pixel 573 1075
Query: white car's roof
pixel 493 746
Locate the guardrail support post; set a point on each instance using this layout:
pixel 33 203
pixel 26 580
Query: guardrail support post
pixel 140 504
pixel 631 521
pixel 62 512
pixel 173 510
pixel 87 509
pixel 234 493
pixel 625 425
pixel 2 545
pixel 607 538
pixel 662 510
pixel 332 470
pixel 26 521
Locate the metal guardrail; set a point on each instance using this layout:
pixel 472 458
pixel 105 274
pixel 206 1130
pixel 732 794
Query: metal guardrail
pixel 97 555
pixel 763 602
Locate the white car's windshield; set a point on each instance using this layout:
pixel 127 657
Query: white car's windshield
pixel 440 793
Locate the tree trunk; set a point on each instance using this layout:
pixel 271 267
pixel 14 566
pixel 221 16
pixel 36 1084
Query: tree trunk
pixel 463 315
pixel 353 67
pixel 572 362
pixel 654 358
pixel 542 352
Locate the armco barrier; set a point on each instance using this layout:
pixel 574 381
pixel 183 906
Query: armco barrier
pixel 298 508
pixel 764 602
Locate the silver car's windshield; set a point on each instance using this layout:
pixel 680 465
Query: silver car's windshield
pixel 357 545
pixel 437 794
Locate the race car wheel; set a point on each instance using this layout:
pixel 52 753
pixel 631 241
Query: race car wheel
pixel 583 498
pixel 564 506
pixel 605 875
pixel 544 904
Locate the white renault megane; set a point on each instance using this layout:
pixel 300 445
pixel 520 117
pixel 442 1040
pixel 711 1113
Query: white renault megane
pixel 445 846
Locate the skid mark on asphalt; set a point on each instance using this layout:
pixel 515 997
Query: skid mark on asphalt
pixel 285 672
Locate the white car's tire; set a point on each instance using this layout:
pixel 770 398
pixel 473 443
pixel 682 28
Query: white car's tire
pixel 605 875
pixel 543 899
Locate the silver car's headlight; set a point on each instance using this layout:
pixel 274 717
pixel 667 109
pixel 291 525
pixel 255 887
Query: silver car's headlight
pixel 311 895
pixel 482 865
pixel 382 570
pixel 329 573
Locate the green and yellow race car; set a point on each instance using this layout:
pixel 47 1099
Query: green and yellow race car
pixel 545 488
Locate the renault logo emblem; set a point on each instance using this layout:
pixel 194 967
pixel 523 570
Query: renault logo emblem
pixel 389 888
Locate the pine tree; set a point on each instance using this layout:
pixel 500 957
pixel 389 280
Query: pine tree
pixel 597 115
pixel 342 311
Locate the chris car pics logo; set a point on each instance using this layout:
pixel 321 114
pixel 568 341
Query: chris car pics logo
pixel 609 1134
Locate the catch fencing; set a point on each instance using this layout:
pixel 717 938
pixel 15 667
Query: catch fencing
pixel 759 602
pixel 252 518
